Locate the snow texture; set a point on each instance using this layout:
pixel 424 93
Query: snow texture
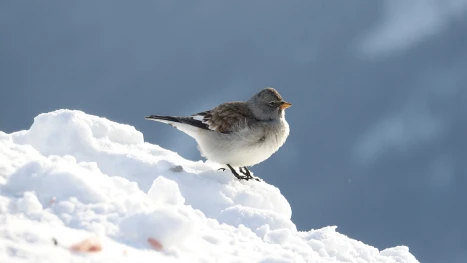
pixel 74 176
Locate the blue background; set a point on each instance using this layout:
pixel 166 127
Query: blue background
pixel 378 123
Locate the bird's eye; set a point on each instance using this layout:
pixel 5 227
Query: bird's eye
pixel 272 103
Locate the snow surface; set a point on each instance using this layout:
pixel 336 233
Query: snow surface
pixel 74 176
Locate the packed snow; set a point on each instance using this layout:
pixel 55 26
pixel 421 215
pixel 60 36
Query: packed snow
pixel 77 187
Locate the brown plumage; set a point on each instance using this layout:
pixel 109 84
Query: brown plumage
pixel 227 117
pixel 232 116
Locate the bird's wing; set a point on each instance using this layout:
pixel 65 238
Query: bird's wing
pixel 225 118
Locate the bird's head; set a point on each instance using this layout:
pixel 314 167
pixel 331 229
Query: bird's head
pixel 268 105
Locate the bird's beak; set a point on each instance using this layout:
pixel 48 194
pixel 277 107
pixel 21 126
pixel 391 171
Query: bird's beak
pixel 285 105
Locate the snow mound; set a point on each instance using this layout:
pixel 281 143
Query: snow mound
pixel 74 176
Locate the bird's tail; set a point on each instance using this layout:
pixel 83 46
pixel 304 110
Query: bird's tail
pixel 187 125
pixel 164 119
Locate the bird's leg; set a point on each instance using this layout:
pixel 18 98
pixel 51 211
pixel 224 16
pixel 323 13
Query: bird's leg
pixel 247 173
pixel 243 171
pixel 236 174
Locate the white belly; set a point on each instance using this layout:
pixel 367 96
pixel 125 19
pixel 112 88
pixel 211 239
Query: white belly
pixel 246 147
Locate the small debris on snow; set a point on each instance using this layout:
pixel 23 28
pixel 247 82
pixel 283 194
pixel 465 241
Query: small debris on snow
pixel 87 245
pixel 156 245
pixel 52 200
pixel 177 169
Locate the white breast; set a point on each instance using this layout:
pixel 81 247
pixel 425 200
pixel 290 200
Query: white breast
pixel 246 147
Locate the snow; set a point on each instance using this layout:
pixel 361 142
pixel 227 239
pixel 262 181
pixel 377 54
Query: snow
pixel 74 177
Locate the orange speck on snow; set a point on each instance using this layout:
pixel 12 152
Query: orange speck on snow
pixel 155 244
pixel 87 245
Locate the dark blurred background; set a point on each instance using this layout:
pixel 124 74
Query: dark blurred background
pixel 378 123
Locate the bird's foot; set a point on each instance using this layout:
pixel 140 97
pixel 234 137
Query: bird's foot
pixel 221 169
pixel 247 174
pixel 239 177
pixel 243 178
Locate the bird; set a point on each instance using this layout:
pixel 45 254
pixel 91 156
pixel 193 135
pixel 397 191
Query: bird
pixel 237 133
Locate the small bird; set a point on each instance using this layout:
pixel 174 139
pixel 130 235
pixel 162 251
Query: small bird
pixel 237 133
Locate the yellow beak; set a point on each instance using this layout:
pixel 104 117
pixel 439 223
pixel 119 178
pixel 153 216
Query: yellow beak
pixel 285 105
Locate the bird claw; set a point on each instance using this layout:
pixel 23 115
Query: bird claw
pixel 247 175
pixel 239 177
pixel 222 169
pixel 246 172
